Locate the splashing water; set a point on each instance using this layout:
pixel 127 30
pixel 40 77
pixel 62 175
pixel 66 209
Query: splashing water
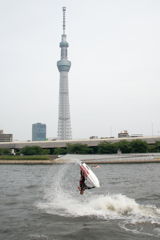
pixel 62 198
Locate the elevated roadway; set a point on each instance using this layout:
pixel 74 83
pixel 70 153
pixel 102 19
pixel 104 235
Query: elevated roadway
pixel 62 143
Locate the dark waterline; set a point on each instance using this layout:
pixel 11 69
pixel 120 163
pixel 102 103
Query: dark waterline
pixel 43 202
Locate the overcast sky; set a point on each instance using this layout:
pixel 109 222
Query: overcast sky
pixel 114 80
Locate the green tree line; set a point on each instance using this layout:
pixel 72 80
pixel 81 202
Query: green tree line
pixel 27 150
pixel 105 147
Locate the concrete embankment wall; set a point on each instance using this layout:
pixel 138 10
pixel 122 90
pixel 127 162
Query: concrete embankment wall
pixel 110 158
pixel 155 160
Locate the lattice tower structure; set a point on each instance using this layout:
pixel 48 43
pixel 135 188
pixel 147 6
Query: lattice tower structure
pixel 64 121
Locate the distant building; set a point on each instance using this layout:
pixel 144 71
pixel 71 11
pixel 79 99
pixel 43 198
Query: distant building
pixel 51 139
pixel 123 134
pixel 136 135
pixel 38 132
pixel 5 137
pixel 93 137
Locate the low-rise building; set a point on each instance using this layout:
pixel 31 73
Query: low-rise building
pixel 5 137
pixel 93 137
pixel 51 139
pixel 136 135
pixel 123 134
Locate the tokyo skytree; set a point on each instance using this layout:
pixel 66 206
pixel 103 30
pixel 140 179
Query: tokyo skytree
pixel 64 121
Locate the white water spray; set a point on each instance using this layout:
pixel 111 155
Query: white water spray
pixel 62 198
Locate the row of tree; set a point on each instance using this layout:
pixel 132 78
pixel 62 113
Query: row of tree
pixel 5 151
pixel 105 147
pixel 34 150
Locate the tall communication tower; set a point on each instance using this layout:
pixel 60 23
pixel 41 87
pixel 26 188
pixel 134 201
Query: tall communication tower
pixel 64 121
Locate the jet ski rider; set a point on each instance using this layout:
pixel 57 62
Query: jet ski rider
pixel 82 184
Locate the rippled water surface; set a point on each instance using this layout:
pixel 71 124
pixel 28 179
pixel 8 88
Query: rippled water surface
pixel 43 202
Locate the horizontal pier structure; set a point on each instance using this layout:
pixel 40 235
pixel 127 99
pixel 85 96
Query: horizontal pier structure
pixel 109 158
pixel 63 143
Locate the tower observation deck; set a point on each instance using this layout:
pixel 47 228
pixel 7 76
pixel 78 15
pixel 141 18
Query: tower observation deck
pixel 64 121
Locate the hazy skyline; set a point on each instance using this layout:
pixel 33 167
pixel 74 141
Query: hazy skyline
pixel 114 80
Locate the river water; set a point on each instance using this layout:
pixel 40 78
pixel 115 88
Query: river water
pixel 43 202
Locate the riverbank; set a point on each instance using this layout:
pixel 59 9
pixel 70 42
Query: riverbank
pixel 25 162
pixel 28 159
pixel 89 159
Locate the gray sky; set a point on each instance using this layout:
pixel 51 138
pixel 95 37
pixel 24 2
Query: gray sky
pixel 114 80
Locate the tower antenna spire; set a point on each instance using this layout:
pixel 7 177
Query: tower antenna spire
pixel 64 120
pixel 64 24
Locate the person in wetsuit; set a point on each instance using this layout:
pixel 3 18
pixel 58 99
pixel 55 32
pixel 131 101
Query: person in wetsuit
pixel 82 184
